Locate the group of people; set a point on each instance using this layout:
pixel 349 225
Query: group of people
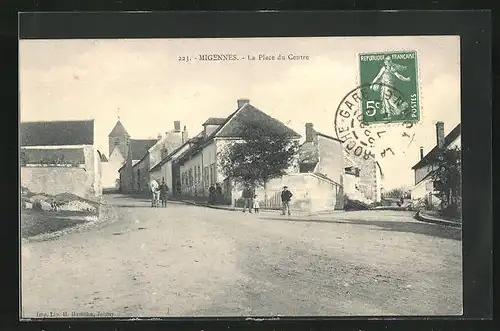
pixel 159 193
pixel 251 200
pixel 215 193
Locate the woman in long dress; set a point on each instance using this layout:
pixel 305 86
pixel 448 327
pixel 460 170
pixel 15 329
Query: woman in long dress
pixel 386 78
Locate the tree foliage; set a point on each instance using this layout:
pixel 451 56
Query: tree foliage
pixel 398 193
pixel 258 156
pixel 446 175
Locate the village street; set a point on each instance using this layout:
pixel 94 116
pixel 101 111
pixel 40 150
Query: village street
pixel 194 261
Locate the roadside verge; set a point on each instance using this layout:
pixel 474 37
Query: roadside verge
pixel 106 215
pixel 432 219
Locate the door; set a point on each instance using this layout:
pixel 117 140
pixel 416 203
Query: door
pixel 176 179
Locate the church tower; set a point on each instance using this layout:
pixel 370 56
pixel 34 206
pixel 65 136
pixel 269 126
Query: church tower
pixel 119 138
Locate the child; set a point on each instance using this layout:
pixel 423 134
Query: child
pixel 255 204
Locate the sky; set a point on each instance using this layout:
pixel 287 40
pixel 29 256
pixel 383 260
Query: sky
pixel 143 82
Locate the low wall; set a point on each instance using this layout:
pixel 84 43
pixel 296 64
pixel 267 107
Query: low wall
pixel 310 193
pixel 55 180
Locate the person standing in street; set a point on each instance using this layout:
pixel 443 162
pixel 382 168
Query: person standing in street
pixel 218 192
pixel 256 205
pixel 163 193
pixel 211 194
pixel 248 194
pixel 286 196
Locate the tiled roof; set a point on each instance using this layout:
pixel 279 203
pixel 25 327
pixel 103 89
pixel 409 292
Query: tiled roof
pixel 250 114
pixel 140 147
pixel 232 128
pixel 102 157
pixel 454 134
pixel 57 133
pixel 215 121
pixel 118 130
pixel 327 136
pixel 62 155
pixel 308 153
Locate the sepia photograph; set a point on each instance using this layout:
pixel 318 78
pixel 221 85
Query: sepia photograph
pixel 204 177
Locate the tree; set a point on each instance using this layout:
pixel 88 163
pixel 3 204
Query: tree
pixel 259 155
pixel 446 175
pixel 398 193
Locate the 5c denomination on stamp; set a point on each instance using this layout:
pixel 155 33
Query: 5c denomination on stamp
pixel 393 94
pixel 367 141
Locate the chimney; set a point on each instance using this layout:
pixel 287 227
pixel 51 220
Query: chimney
pixel 241 102
pixel 440 134
pixel 177 126
pixel 421 152
pixel 184 135
pixel 159 136
pixel 309 132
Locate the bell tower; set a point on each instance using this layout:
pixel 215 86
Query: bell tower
pixel 119 138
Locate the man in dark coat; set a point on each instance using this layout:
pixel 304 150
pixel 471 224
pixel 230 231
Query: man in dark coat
pixel 163 193
pixel 218 192
pixel 286 196
pixel 248 194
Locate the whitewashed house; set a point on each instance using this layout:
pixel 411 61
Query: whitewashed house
pixel 424 187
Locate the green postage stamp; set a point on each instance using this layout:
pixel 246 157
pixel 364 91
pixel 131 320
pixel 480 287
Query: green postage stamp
pixel 389 83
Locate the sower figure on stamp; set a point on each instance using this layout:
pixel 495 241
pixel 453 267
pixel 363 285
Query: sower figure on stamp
pixel 163 193
pixel 248 194
pixel 286 196
pixel 386 76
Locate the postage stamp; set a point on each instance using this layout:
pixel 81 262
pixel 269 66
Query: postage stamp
pixel 362 140
pixel 393 94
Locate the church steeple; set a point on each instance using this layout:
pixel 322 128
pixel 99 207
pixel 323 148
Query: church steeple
pixel 119 138
pixel 118 130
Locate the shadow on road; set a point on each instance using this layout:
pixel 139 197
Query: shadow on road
pixel 433 230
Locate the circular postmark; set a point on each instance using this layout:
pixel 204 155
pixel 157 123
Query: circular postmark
pixel 365 139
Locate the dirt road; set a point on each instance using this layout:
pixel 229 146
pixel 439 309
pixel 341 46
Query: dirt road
pixel 194 261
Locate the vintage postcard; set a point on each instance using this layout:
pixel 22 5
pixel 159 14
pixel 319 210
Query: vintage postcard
pixel 314 176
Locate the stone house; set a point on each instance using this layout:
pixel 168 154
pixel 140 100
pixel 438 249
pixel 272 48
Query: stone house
pixel 60 156
pixel 317 181
pixel 134 174
pixel 144 154
pixel 424 187
pixel 168 168
pixel 198 165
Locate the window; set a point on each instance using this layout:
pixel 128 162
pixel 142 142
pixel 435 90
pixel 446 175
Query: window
pixel 198 179
pixel 206 177
pixel 213 174
pixel 117 141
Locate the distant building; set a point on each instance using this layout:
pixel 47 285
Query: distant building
pixel 324 155
pixel 141 155
pixel 60 156
pixel 423 169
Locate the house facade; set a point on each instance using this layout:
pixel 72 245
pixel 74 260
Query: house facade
pixel 134 174
pixel 424 186
pixel 143 155
pixel 59 157
pixel 198 165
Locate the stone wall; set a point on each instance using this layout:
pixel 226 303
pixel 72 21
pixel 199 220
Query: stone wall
pixel 368 179
pixel 310 193
pixel 55 180
pixel 331 159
